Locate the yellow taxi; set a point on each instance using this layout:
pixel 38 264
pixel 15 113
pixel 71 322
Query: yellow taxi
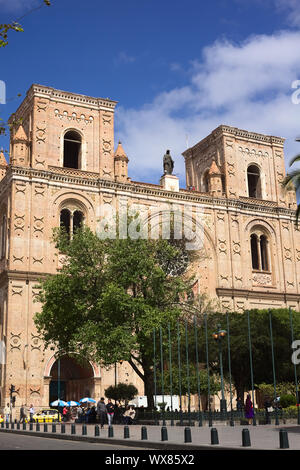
pixel 46 415
pixel 1 419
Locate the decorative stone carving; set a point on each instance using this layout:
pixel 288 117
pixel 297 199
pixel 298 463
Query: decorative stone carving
pixel 20 188
pixel 237 248
pixel 106 146
pixel 17 290
pixel 19 222
pixel 36 342
pixel 262 279
pixel 106 119
pixel 15 341
pixel 39 190
pixel 222 246
pixel 287 253
pixel 17 259
pixel 253 152
pixel 38 224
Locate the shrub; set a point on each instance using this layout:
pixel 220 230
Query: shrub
pixel 287 400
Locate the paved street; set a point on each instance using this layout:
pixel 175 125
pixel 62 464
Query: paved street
pixel 21 442
pixel 262 437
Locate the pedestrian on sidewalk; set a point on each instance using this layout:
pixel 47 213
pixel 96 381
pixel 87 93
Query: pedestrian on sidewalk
pixel 249 411
pixel 110 410
pixel 101 411
pixel 23 414
pixel 7 413
pixel 31 413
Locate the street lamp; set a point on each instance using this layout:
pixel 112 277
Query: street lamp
pixel 218 338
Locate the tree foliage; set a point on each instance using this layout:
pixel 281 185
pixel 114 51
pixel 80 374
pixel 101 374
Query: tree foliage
pixel 108 297
pixel 121 392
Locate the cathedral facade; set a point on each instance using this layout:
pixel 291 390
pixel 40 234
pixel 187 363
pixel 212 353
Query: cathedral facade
pixel 64 165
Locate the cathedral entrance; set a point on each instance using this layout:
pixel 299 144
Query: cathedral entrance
pixel 71 380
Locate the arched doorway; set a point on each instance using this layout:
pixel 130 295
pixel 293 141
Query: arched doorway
pixel 71 379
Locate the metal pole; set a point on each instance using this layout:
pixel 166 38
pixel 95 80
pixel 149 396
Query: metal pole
pixel 207 368
pixel 229 370
pixel 58 377
pixel 154 374
pixel 162 374
pixel 273 367
pixel 295 367
pixel 179 373
pixel 198 376
pixel 251 366
pixel 171 375
pixel 188 372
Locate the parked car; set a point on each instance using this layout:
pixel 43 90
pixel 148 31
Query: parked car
pixel 46 415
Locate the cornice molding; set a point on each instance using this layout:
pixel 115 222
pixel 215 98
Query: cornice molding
pixel 92 180
pixel 224 130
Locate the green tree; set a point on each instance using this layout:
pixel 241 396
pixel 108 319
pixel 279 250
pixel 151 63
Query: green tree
pixel 260 343
pixel 108 297
pixel 121 392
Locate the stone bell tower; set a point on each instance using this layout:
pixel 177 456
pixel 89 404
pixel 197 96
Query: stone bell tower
pixel 63 129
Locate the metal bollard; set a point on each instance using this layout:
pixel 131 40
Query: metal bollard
pixel 126 432
pixel 283 439
pixel 97 430
pixel 53 427
pixel 37 428
pixel 2 424
pixel 7 425
pixel 45 427
pixel 187 435
pixel 24 426
pixel 110 431
pixel 144 435
pixel 84 430
pixel 18 425
pixel 73 429
pixel 246 442
pixel 12 426
pixel 164 433
pixel 214 436
pixel 63 428
pixel 30 426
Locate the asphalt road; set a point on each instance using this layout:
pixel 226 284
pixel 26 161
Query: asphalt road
pixel 14 442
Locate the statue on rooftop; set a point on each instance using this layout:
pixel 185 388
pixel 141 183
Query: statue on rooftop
pixel 168 163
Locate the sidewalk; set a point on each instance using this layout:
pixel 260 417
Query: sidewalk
pixel 262 437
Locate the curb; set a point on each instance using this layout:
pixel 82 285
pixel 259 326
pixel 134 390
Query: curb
pixel 125 442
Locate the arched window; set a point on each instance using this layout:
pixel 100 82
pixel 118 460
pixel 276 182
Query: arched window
pixel 72 150
pixel 259 252
pixel 71 220
pixel 254 182
pixel 205 182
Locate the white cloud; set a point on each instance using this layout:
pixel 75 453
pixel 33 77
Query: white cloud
pixel 245 85
pixel 18 6
pixel 124 58
pixel 291 8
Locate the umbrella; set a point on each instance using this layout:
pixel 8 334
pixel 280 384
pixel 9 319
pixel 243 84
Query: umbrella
pixel 58 403
pixel 87 400
pixel 73 403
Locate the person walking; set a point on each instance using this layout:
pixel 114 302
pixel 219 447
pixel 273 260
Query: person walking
pixel 23 414
pixel 249 411
pixel 31 413
pixel 7 413
pixel 110 410
pixel 101 411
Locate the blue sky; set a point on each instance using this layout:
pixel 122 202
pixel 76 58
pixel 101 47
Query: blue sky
pixel 177 69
